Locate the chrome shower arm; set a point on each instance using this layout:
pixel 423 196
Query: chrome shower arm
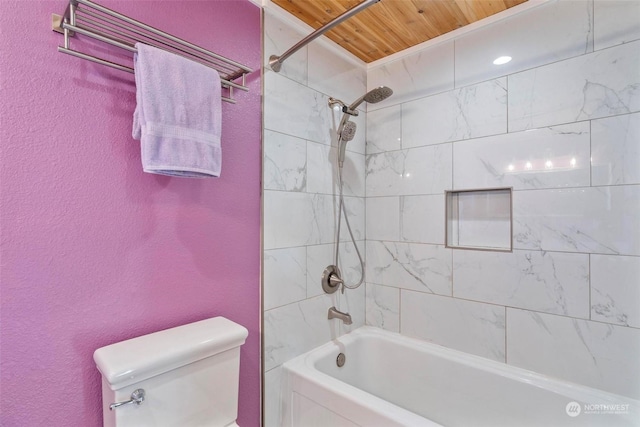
pixel 275 61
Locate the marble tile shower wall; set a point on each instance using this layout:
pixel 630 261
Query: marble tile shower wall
pixel 561 125
pixel 299 203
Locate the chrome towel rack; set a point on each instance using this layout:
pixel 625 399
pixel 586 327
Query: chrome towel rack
pixel 100 23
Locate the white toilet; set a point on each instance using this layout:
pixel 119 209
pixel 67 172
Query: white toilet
pixel 189 376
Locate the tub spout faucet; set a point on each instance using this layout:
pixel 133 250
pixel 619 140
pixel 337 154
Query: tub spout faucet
pixel 334 313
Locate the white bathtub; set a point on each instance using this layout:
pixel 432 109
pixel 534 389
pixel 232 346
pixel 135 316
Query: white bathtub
pixel 390 380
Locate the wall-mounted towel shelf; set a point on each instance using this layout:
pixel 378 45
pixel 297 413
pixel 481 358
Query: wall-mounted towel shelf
pixel 98 22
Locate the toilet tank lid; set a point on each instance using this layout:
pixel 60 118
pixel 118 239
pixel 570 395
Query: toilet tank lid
pixel 128 362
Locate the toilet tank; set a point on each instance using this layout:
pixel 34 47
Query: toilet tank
pixel 190 376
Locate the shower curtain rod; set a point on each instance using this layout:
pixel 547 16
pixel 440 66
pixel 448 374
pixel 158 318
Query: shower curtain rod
pixel 276 61
pixel 108 26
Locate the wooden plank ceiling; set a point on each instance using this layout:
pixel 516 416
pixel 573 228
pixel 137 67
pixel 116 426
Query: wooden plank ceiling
pixel 390 26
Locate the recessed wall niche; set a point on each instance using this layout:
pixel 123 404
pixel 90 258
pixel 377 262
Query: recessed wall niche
pixel 479 219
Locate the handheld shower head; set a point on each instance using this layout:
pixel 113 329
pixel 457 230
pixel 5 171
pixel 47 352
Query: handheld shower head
pixel 348 131
pixel 347 134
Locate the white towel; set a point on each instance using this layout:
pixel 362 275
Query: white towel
pixel 178 114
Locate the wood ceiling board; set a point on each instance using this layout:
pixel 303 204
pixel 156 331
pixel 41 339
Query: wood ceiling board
pixel 391 26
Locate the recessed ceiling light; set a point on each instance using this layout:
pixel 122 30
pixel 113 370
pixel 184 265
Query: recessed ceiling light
pixel 502 60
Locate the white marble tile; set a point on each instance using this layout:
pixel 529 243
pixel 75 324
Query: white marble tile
pixel 615 150
pixel 334 75
pixel 285 162
pixel 285 278
pixel 615 289
pixel 554 31
pixel 383 218
pixel 321 166
pixel 322 171
pixel 355 207
pixel 296 328
pixel 306 321
pixel 616 22
pixel 424 170
pixel 353 174
pixel 468 326
pixel 591 353
pixel 296 110
pixel 278 38
pixel 599 84
pixel 419 267
pixel 292 329
pixel 464 113
pixel 601 220
pixel 383 130
pixel 286 219
pixel 552 157
pixel 383 307
pixel 298 219
pixel 319 257
pixel 423 73
pixel 551 282
pixel 273 400
pixel 422 219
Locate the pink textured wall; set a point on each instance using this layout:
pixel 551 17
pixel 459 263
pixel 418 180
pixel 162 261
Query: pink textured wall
pixel 95 251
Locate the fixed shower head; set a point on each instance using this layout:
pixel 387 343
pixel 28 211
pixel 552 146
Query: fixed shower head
pixel 378 94
pixel 374 95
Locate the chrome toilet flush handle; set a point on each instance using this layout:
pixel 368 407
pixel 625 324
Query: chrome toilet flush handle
pixel 137 397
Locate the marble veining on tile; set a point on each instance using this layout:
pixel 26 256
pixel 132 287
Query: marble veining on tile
pixel 615 289
pixel 468 112
pixel 591 353
pixel 284 162
pixel 468 326
pixel 590 220
pixel 420 267
pixel 599 84
pixel 424 170
pixel 552 157
pixel 307 322
pixel 615 150
pixel 285 278
pixel 416 76
pixel 545 34
pixel 283 112
pixel 549 282
pixel 383 130
pixel 383 307
pixel 383 218
pixel 422 219
pixel 616 22
pixel 297 219
pixel 335 76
